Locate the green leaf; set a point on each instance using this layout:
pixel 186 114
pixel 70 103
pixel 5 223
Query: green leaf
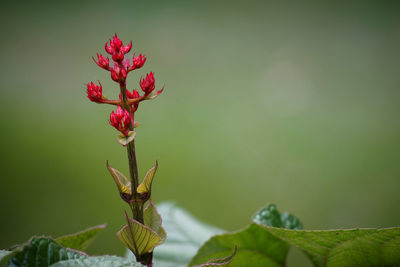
pixel 123 183
pixel 270 216
pixel 356 247
pixel 256 247
pixel 153 220
pixel 139 238
pixel 185 236
pixel 102 261
pixel 145 186
pixel 82 239
pixel 124 140
pixel 42 252
pixel 222 262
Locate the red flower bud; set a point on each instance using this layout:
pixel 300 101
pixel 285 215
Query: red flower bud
pixel 108 48
pixel 116 43
pixel 138 62
pixel 147 84
pixel 102 62
pixel 118 74
pixel 116 48
pixel 126 48
pixel 115 73
pixel 118 56
pixel 94 92
pixel 121 120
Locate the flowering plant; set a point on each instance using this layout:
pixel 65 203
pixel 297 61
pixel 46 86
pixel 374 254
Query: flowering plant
pixel 143 232
pixel 264 242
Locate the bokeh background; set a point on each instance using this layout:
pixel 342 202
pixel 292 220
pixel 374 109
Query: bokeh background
pixel 291 103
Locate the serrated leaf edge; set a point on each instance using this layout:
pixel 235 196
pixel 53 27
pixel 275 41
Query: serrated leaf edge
pixel 96 227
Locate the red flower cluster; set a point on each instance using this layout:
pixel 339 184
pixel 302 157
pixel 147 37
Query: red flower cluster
pixel 122 119
pixel 94 92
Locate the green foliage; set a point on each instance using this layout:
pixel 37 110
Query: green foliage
pixel 256 247
pixel 102 261
pixel 45 251
pixel 185 236
pixel 356 247
pixel 266 241
pixel 42 252
pixel 82 239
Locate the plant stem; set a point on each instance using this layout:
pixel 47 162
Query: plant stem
pixel 136 203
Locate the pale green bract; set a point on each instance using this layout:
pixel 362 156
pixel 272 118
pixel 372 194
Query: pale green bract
pixel 145 186
pixel 124 140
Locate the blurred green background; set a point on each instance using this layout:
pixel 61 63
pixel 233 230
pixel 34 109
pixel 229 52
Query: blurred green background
pixel 291 103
